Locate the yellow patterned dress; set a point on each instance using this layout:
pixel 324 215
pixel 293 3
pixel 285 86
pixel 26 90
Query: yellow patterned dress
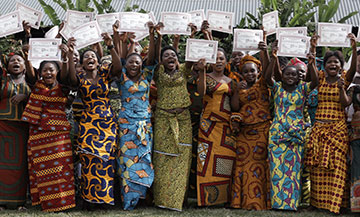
pixel 97 140
pixel 216 149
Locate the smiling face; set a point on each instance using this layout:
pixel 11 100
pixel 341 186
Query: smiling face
pixel 220 64
pixel 16 65
pixel 236 57
pixel 333 66
pixel 133 66
pixel 169 60
pixel 290 76
pixel 48 73
pixel 301 71
pixel 90 61
pixel 250 72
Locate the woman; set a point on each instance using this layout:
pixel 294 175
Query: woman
pixel 250 189
pixel 49 147
pixel 13 132
pixel 328 143
pixel 134 160
pixel 97 127
pixel 216 149
pixel 287 134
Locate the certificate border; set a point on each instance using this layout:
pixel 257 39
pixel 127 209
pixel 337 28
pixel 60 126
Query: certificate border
pixel 235 43
pixel 20 29
pixel 39 17
pixel 162 31
pixel 67 19
pixel 277 21
pixel 58 40
pixel 232 14
pixel 333 44
pixel 290 28
pixel 107 15
pixel 187 58
pixel 133 30
pixel 202 11
pixel 80 46
pixel 287 54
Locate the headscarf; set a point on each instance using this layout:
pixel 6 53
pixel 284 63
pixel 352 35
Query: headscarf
pixel 6 58
pixel 295 61
pixel 250 59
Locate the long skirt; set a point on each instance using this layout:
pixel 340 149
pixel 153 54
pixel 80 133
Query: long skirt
pixel 215 162
pixel 355 176
pixel 13 163
pixel 171 158
pixel 51 168
pixel 250 189
pixel 326 154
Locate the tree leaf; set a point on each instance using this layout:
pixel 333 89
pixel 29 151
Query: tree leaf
pixel 61 4
pixel 99 7
pixel 71 6
pixel 50 12
pixel 342 20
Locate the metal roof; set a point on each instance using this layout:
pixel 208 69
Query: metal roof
pixel 239 7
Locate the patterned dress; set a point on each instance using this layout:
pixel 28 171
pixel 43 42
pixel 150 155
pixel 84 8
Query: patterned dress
pixel 13 141
pixel 50 156
pixel 250 189
pixel 327 149
pixel 134 160
pixel 172 139
pixel 97 140
pixel 286 146
pixel 216 149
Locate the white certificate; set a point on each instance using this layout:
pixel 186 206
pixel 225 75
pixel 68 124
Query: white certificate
pixel 52 33
pixel 134 22
pixel 295 31
pixel 87 34
pixel 29 15
pixel 44 49
pixel 141 35
pixel 73 20
pixel 294 46
pixel 221 21
pixel 270 22
pixel 10 24
pixel 247 39
pixel 334 34
pixel 106 21
pixel 175 23
pixel 197 18
pixel 198 48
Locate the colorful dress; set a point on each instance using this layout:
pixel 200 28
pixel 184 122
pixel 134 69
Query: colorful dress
pixel 97 140
pixel 216 148
pixel 250 188
pixel 172 139
pixel 286 146
pixel 13 140
pixel 134 160
pixel 50 156
pixel 327 149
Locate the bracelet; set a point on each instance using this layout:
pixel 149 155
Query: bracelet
pixel 65 61
pixel 110 47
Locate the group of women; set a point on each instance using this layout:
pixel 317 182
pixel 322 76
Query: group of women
pixel 247 155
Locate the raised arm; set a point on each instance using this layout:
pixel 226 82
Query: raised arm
pixel 116 37
pixel 312 66
pixel 201 84
pixel 345 100
pixel 123 42
pixel 27 30
pixel 98 49
pixel 264 55
pixel 60 28
pixel 30 71
pixel 270 69
pixel 189 64
pixel 158 41
pixel 205 29
pixel 313 72
pixel 176 42
pixel 64 73
pixel 116 63
pixel 72 77
pixel 350 74
pixel 151 54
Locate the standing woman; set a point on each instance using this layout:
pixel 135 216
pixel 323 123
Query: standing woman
pixel 216 149
pixel 97 127
pixel 328 144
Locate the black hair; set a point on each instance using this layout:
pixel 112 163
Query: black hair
pixel 83 53
pixel 283 61
pixel 134 54
pixel 223 51
pixel 55 63
pixel 168 48
pixel 337 54
pixel 290 66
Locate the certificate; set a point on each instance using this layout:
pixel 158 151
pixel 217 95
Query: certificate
pixel 141 35
pixel 10 24
pixel 295 31
pixel 29 15
pixel 44 49
pixel 221 21
pixel 294 46
pixel 247 39
pixel 197 18
pixel 106 21
pixel 270 22
pixel 198 48
pixel 175 23
pixel 52 33
pixel 87 34
pixel 134 22
pixel 73 20
pixel 334 34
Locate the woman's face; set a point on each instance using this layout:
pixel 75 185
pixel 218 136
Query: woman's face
pixel 133 65
pixel 16 65
pixel 236 56
pixel 220 64
pixel 250 72
pixel 301 70
pixel 90 61
pixel 170 60
pixel 333 66
pixel 290 76
pixel 48 73
pixel 76 57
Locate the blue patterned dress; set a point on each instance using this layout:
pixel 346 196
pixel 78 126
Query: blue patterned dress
pixel 134 160
pixel 286 146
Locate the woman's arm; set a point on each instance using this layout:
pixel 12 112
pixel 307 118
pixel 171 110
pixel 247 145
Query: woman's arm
pixel 313 72
pixel 189 64
pixel 205 29
pixel 350 74
pixel 116 63
pixel 30 72
pixel 345 100
pixel 158 41
pixel 98 49
pixel 72 77
pixel 116 37
pixel 27 29
pixel 64 73
pixel 313 43
pixel 264 55
pixel 123 42
pixel 270 69
pixel 151 54
pixel 201 84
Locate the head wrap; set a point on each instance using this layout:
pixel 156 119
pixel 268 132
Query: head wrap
pixel 250 59
pixel 6 58
pixel 295 61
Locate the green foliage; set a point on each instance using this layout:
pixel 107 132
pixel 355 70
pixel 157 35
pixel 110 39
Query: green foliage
pixel 50 12
pixel 10 44
pixel 104 6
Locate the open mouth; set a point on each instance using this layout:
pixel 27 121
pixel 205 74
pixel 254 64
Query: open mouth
pixel 16 67
pixel 91 63
pixel 171 63
pixel 333 68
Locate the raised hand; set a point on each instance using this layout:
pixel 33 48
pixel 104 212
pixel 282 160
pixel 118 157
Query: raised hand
pixel 71 43
pixel 107 39
pixel 201 64
pixel 151 27
pixel 262 46
pixel 25 49
pixel 352 39
pixel 314 40
pixel 116 25
pixel 193 29
pixel 340 83
pixel 158 27
pixel 64 51
pixel 27 28
pixel 274 48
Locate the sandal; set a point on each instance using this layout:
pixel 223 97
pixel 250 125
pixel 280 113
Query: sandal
pixel 21 208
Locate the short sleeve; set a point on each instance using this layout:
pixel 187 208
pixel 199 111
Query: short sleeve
pixel 149 72
pixel 275 88
pixel 305 88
